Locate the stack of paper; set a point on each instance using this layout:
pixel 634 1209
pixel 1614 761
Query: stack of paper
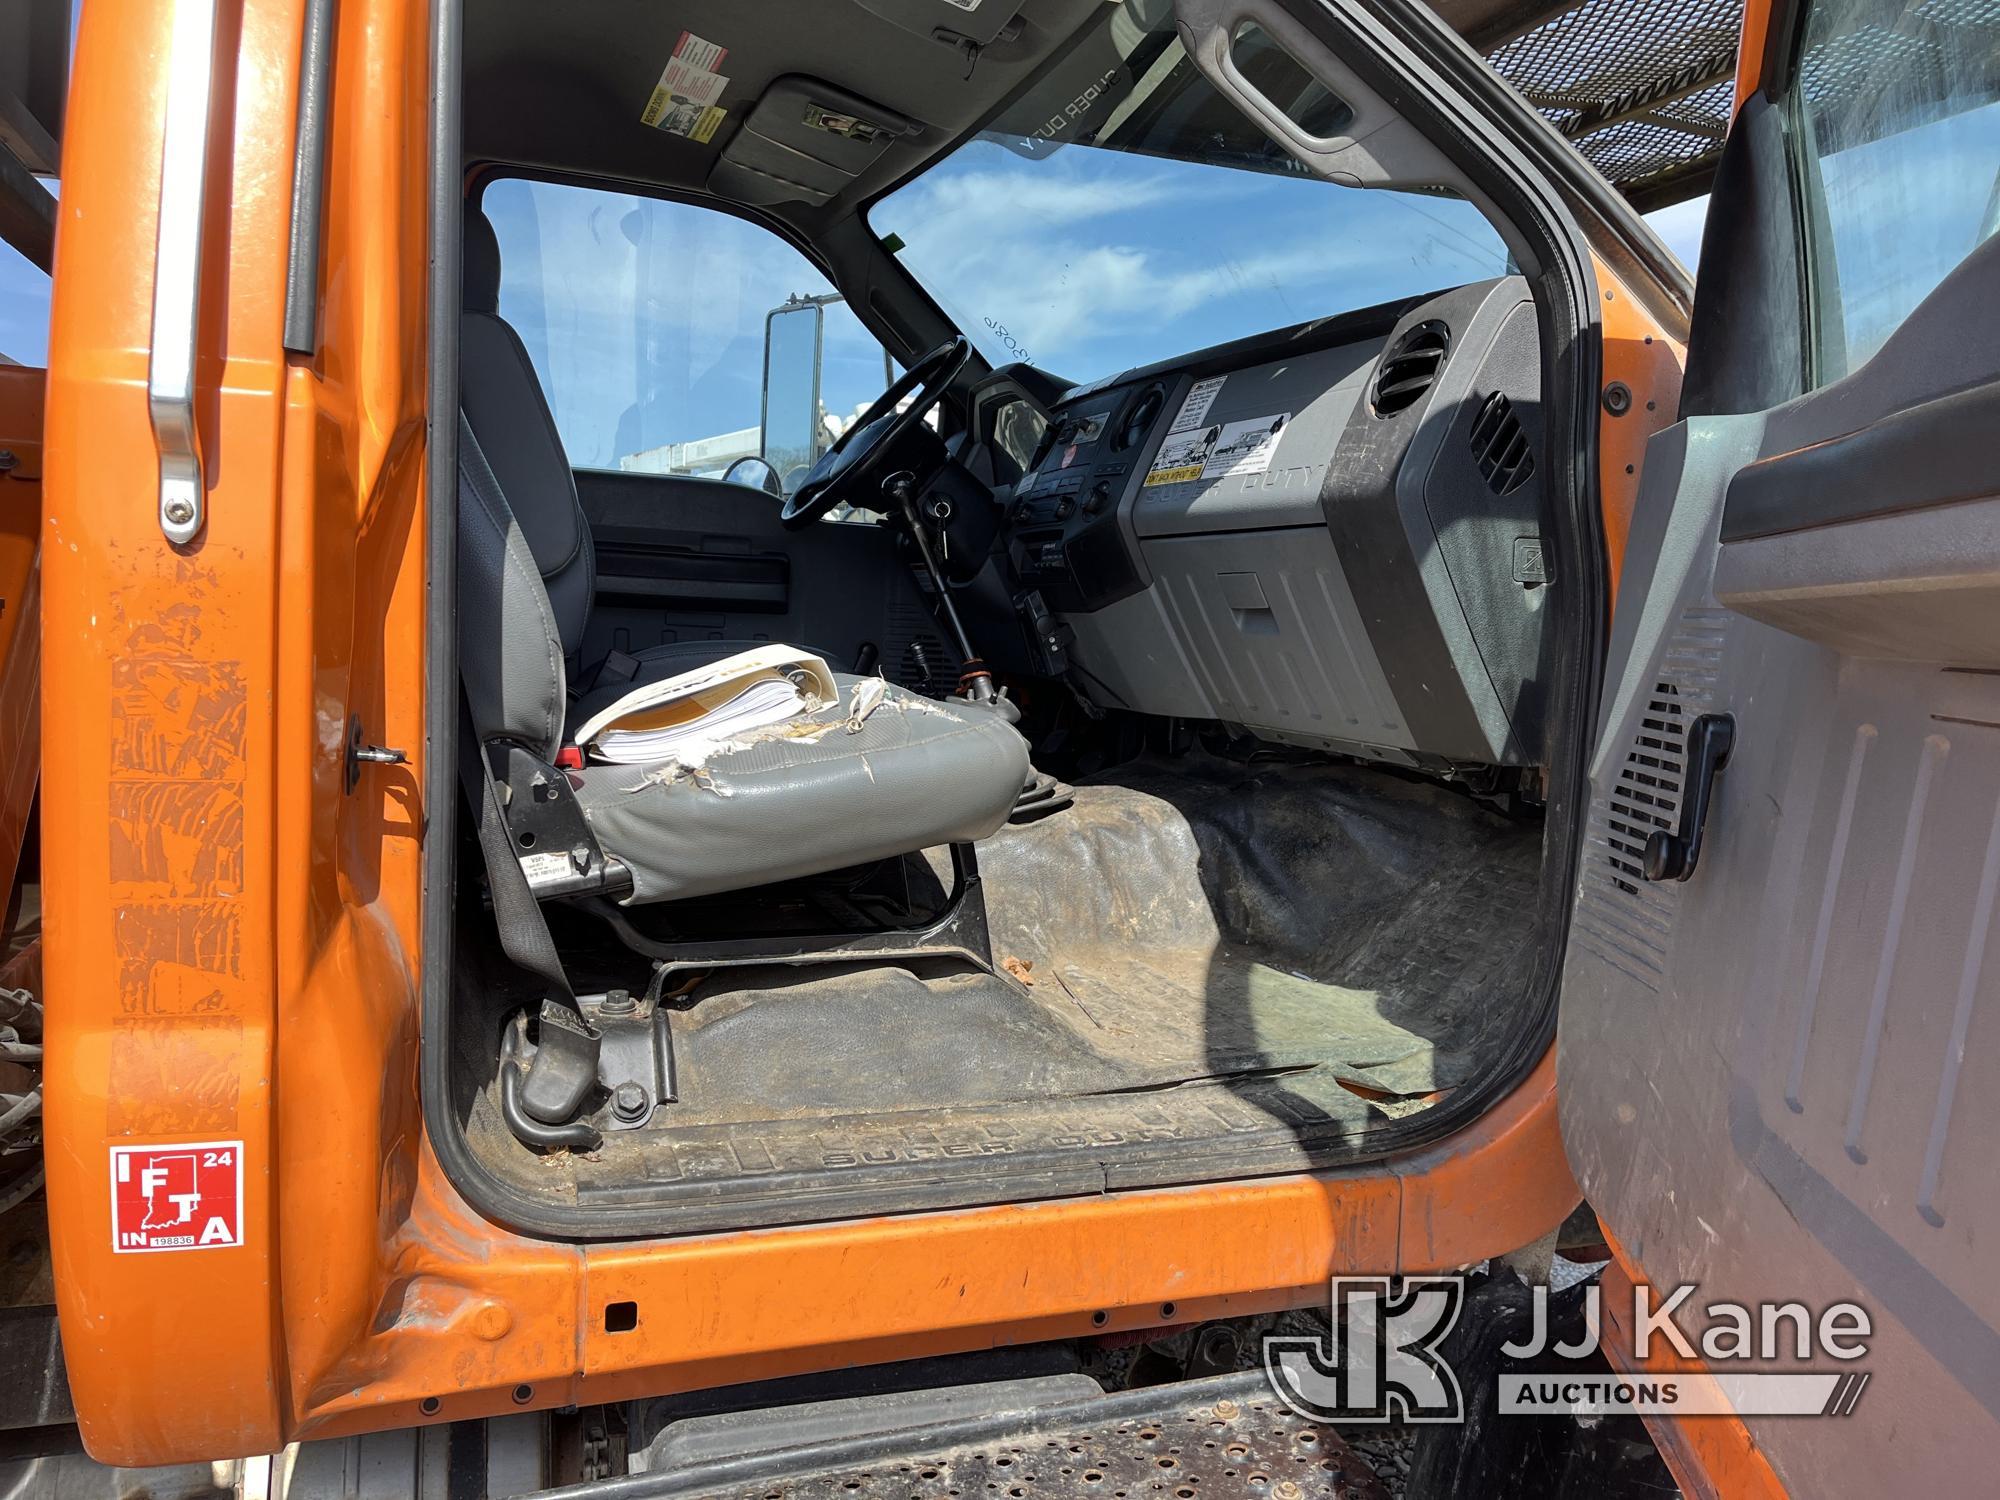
pixel 678 716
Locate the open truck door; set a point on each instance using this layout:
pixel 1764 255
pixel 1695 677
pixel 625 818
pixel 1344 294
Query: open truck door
pixel 1779 1069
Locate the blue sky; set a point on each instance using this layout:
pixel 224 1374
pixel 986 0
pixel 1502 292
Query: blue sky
pixel 1160 278
pixel 645 319
pixel 1088 261
pixel 24 308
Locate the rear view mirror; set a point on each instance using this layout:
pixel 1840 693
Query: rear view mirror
pixel 792 433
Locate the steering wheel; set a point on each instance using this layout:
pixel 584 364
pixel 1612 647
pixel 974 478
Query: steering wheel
pixel 845 468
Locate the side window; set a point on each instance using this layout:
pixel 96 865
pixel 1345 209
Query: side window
pixel 648 320
pixel 25 293
pixel 1896 104
pixel 24 309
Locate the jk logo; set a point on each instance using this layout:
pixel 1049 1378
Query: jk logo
pixel 1382 1362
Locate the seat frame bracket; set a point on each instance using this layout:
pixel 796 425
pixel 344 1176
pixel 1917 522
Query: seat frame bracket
pixel 959 930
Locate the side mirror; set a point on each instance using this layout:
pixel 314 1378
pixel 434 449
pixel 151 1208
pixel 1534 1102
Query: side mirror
pixel 792 435
pixel 757 474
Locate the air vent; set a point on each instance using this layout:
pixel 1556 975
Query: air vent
pixel 1409 367
pixel 1500 447
pixel 1648 793
pixel 1140 419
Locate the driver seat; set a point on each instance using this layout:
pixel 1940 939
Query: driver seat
pixel 500 395
pixel 825 795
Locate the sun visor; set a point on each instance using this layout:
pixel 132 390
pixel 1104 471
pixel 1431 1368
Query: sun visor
pixel 950 21
pixel 803 142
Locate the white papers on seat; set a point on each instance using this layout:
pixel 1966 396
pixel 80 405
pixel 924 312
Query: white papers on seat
pixel 678 717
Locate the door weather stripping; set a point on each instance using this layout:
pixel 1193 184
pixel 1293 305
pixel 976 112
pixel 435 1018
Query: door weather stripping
pixel 177 269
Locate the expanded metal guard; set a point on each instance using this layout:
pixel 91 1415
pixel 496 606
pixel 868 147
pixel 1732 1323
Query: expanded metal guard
pixel 1644 88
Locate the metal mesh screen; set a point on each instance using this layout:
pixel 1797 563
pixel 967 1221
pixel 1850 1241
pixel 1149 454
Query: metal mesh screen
pixel 1643 87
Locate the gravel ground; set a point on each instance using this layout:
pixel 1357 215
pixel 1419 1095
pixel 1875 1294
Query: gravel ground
pixel 1386 1450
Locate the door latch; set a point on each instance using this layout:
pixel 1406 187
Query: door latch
pixel 360 753
pixel 1672 855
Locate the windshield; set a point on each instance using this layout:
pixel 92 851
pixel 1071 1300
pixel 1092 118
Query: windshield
pixel 1123 212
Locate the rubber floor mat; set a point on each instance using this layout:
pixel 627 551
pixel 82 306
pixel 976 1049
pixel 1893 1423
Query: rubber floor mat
pixel 1164 929
pixel 1209 969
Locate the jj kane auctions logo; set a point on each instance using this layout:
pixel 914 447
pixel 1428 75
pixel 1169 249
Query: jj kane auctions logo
pixel 1384 1361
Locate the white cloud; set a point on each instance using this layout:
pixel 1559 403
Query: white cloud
pixel 1090 261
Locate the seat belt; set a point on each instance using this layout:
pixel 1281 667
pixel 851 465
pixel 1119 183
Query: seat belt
pixel 565 1064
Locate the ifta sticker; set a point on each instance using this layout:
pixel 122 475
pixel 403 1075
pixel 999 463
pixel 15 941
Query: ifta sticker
pixel 183 1197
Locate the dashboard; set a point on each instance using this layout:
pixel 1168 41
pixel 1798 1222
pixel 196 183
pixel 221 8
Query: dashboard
pixel 1329 537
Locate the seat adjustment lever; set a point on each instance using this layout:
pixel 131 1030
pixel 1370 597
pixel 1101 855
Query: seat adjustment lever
pixel 1672 855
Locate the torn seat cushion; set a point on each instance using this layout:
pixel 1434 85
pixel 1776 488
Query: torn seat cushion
pixel 807 796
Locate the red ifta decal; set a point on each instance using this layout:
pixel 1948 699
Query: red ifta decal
pixel 177 1197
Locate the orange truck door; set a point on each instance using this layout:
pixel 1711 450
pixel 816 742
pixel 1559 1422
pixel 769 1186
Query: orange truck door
pixel 1779 1061
pixel 231 593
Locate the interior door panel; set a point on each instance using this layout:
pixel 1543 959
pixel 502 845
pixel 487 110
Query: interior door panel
pixel 1781 1078
pixel 680 559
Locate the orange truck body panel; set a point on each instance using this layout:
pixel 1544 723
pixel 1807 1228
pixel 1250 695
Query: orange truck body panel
pixel 1711 1458
pixel 1644 358
pixel 1753 45
pixel 232 940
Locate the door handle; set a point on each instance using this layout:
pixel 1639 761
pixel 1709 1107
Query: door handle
pixel 1672 855
pixel 177 269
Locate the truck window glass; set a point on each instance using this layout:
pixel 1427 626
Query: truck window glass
pixel 24 306
pixel 1899 111
pixel 1123 211
pixel 645 320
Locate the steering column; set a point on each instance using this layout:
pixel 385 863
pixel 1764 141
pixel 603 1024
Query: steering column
pixel 974 681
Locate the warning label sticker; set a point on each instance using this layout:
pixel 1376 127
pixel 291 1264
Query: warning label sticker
pixel 540 869
pixel 1180 458
pixel 1245 447
pixel 1194 410
pixel 183 1197
pixel 1219 452
pixel 683 101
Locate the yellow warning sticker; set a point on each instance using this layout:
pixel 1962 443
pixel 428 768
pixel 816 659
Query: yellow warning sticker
pixel 1221 450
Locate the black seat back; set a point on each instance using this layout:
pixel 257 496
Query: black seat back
pixel 502 399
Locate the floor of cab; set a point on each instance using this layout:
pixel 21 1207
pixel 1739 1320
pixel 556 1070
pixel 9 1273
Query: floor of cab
pixel 1209 969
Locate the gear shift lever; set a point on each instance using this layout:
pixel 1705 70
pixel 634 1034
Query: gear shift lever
pixel 973 678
